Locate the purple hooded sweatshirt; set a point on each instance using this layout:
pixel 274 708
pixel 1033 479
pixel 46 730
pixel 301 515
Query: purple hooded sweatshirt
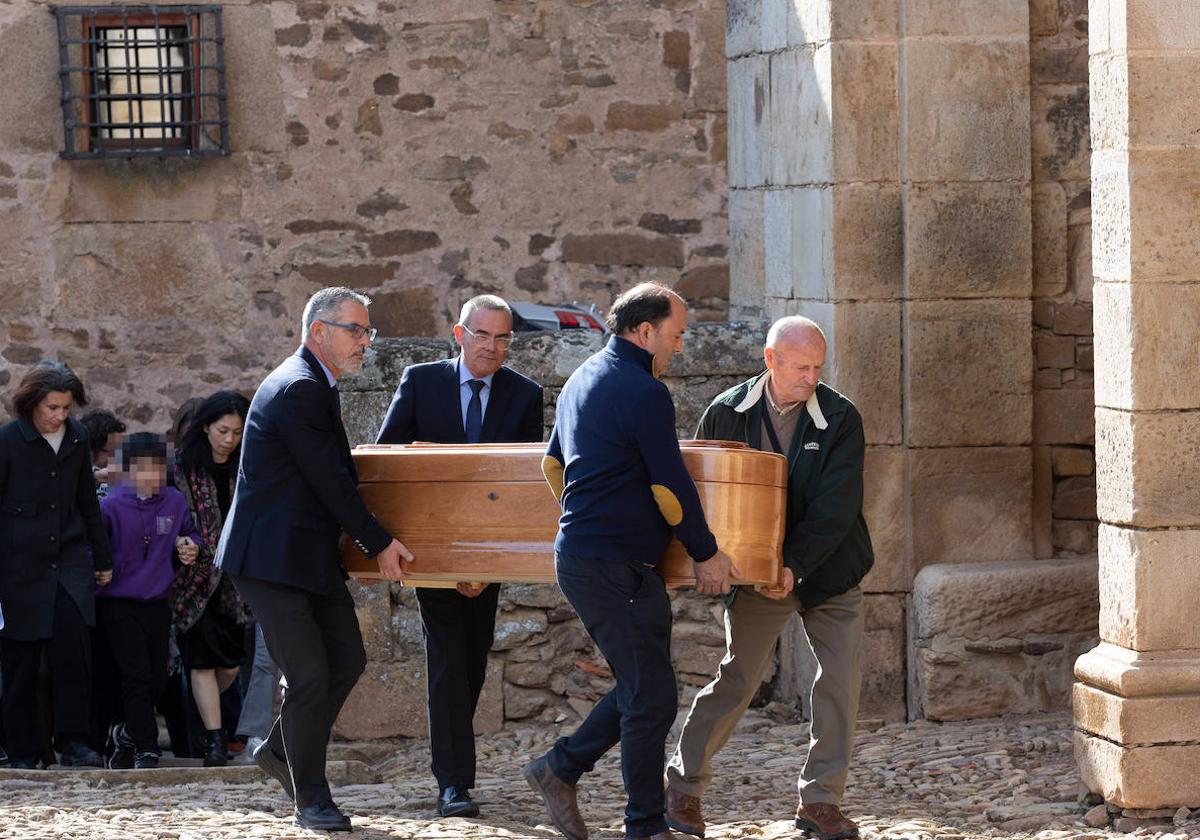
pixel 142 534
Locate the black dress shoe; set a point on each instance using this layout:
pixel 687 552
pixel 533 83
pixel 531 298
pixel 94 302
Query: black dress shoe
pixel 322 816
pixel 79 754
pixel 275 767
pixel 457 802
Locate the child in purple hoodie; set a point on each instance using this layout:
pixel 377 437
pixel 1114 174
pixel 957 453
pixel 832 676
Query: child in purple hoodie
pixel 148 527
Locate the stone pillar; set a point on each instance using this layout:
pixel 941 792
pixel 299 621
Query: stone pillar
pixel 1137 699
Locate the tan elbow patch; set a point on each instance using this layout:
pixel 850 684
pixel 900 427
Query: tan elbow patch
pixel 553 471
pixel 668 504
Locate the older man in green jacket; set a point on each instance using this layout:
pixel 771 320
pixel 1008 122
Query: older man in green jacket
pixel 826 552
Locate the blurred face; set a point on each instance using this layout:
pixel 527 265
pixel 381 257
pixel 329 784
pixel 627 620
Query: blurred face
pixel 102 456
pixel 52 411
pixel 147 475
pixel 795 365
pixel 665 340
pixel 484 341
pixel 224 436
pixel 337 347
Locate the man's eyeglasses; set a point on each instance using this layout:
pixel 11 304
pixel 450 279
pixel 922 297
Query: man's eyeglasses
pixel 356 330
pixel 502 341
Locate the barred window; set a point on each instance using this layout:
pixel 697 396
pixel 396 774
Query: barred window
pixel 142 81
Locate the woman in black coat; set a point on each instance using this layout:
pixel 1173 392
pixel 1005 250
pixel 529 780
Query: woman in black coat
pixel 49 517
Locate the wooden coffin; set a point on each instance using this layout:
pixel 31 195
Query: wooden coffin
pixel 484 512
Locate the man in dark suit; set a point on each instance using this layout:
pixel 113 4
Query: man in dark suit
pixel 470 399
pixel 296 492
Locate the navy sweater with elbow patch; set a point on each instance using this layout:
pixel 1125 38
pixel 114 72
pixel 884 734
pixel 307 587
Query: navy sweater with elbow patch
pixel 624 482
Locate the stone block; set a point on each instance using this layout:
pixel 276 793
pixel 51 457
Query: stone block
pixel 883 656
pixel 883 507
pixel 1064 416
pixel 1043 494
pixel 1049 218
pixel 968 240
pixel 978 18
pixel 868 372
pixel 1143 575
pixel 1154 25
pixel 1054 351
pixel 983 398
pixel 798 245
pixel 743 27
pixel 1145 343
pixel 256 101
pixel 373 607
pixel 747 258
pixel 970 505
pixel 868 244
pixel 1080 266
pixel 1158 115
pixel 387 702
pixel 1139 776
pixel 31 118
pixel 1148 468
pixel 968 110
pixel 1060 132
pixel 622 249
pixel 642 116
pixel 864 111
pixel 1075 536
pixel 1006 600
pixel 1073 460
pixel 997 638
pixel 749 121
pixel 1156 227
pixel 1075 498
pixel 152 190
pixel 799 119
pixel 1135 720
pixel 489 713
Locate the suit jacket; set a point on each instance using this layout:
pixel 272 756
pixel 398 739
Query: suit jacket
pixel 49 518
pixel 428 407
pixel 297 486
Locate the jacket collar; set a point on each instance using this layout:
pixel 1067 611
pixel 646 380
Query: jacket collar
pixel 813 405
pixel 627 351
pixel 71 437
pixel 314 364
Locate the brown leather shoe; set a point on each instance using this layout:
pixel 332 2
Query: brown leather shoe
pixel 683 813
pixel 559 798
pixel 824 821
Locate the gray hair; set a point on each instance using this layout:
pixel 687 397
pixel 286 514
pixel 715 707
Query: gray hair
pixel 490 302
pixel 793 327
pixel 325 303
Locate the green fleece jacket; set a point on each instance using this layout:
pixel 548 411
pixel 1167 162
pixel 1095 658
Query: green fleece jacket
pixel 826 544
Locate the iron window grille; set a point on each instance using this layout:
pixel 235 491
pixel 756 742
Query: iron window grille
pixel 142 81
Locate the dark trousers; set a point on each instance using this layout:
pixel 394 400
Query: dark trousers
pixel 69 652
pixel 137 633
pixel 315 641
pixel 458 636
pixel 625 609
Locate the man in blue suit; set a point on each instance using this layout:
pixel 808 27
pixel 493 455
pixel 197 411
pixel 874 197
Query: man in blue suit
pixel 297 490
pixel 469 399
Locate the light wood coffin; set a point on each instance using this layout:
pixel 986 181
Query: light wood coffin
pixel 484 512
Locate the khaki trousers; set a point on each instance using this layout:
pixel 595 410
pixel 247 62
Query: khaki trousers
pixel 753 623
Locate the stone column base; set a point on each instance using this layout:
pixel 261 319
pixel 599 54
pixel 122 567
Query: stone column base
pixel 1138 726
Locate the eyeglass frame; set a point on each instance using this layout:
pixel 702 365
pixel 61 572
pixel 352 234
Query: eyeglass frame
pixel 357 330
pixel 508 338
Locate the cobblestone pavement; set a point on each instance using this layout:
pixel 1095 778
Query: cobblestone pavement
pixel 1011 777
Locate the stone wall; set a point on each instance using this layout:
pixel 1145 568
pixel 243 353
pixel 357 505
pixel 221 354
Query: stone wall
pixel 1064 480
pixel 422 151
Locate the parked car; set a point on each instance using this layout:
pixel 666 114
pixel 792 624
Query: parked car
pixel 531 317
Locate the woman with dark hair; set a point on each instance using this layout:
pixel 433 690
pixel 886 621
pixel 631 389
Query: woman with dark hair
pixel 209 615
pixel 49 517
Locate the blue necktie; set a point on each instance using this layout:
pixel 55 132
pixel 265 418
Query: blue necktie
pixel 474 424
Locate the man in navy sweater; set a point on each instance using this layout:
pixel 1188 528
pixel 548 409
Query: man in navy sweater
pixel 614 463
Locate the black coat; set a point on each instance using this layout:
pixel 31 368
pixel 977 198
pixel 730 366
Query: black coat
pixel 428 407
pixel 297 486
pixel 49 516
pixel 826 543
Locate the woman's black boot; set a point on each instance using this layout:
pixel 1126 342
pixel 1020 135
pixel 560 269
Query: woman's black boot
pixel 217 754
